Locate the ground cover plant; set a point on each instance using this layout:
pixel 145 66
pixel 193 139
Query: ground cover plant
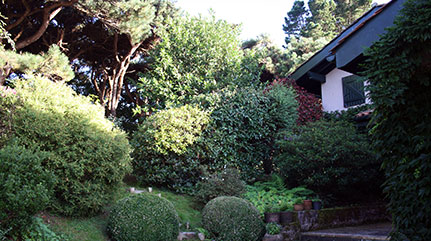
pixel 273 195
pixel 399 71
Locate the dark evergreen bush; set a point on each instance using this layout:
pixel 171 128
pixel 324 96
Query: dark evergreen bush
pixel 232 218
pixel 243 126
pixel 85 152
pixel 225 183
pixel 329 158
pixel 399 71
pixel 143 217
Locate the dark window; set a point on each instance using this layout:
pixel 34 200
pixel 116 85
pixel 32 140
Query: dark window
pixel 353 91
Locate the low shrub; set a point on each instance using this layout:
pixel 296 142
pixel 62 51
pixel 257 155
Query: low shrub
pixel 86 153
pixel 143 217
pixel 40 231
pixel 329 158
pixel 226 183
pixel 25 186
pixel 232 218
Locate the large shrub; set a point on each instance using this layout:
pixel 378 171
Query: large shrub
pixel 243 126
pixel 399 70
pixel 25 186
pixel 143 217
pixel 86 153
pixel 173 147
pixel 232 218
pixel 163 147
pixel 329 158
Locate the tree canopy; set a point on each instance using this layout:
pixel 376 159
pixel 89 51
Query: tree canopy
pixel 99 37
pixel 197 55
pixel 310 28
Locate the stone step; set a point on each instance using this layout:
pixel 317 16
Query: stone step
pixel 371 232
pixel 340 237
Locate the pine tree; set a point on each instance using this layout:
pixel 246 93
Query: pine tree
pixel 309 29
pixel 99 37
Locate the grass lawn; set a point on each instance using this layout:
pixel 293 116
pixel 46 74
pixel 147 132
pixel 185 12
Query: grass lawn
pixel 93 228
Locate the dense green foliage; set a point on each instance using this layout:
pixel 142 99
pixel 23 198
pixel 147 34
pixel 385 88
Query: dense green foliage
pixel 163 147
pixel 399 71
pixel 173 147
pixel 232 218
pixel 348 115
pixel 329 158
pixel 143 217
pixel 85 152
pixel 243 127
pixel 25 186
pixel 226 183
pixel 197 55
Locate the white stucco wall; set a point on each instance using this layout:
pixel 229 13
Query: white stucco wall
pixel 332 91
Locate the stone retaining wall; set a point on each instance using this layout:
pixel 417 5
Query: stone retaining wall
pixel 338 217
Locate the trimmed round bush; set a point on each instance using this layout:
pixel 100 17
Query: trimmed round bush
pixel 85 152
pixel 232 218
pixel 143 217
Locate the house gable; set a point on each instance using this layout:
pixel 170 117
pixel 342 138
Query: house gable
pixel 344 53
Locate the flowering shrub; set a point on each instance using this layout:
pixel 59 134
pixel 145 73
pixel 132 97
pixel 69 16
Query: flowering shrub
pixel 309 108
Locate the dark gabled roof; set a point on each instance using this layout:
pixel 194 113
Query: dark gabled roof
pixel 346 49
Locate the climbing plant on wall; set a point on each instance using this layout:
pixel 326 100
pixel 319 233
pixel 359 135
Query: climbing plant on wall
pixel 399 71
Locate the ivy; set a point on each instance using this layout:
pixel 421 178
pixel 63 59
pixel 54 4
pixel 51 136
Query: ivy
pixel 399 70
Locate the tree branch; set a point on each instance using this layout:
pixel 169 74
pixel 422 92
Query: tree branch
pixel 23 16
pixel 47 17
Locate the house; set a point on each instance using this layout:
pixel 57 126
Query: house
pixel 333 73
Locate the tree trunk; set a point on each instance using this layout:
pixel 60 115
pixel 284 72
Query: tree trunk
pixel 116 81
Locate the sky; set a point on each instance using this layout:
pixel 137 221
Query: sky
pixel 257 16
